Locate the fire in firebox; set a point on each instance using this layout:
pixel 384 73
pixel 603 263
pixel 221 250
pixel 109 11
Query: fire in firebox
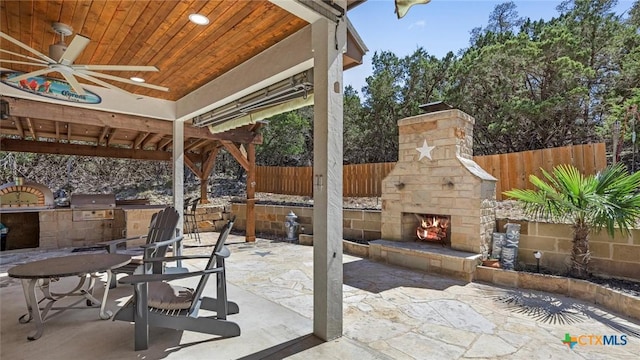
pixel 432 228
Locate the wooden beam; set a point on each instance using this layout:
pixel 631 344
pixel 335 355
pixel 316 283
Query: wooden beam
pixel 112 133
pixel 44 147
pixel 103 134
pixel 214 145
pixel 57 125
pixel 209 163
pixel 207 167
pixel 150 139
pixel 196 144
pixel 250 235
pixel 19 127
pixel 162 144
pixel 192 165
pixel 32 130
pixel 68 125
pixel 235 152
pixel 139 139
pixel 55 112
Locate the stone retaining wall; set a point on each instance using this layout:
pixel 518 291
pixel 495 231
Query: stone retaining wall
pixel 578 289
pixel 213 217
pixel 618 256
pixel 357 224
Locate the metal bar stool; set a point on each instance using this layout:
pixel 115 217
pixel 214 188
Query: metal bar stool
pixel 193 223
pixel 185 212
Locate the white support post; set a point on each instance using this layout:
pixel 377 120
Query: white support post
pixel 328 41
pixel 178 175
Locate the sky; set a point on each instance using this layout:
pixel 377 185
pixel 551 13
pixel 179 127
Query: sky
pixel 439 27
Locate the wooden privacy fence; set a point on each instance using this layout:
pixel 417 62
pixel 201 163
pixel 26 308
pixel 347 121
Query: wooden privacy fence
pixel 512 170
pixel 365 180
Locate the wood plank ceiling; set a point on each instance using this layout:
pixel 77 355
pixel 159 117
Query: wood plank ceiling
pixel 156 33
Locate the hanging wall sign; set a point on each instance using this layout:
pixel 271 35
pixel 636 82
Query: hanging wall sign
pixel 49 87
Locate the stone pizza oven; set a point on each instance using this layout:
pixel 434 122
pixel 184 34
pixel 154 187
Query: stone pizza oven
pixel 436 178
pixel 25 195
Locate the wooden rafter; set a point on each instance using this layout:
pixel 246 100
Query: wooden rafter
pixel 57 126
pixel 20 128
pixel 152 138
pixel 55 112
pixel 111 136
pixel 211 147
pixel 103 134
pixel 162 144
pixel 32 129
pixel 189 161
pixel 196 144
pixel 236 153
pixel 82 150
pixel 139 139
pixel 208 164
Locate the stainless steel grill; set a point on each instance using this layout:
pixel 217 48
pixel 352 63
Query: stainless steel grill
pixel 88 207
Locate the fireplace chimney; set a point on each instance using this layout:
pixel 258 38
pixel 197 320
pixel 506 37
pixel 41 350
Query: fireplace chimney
pixel 439 177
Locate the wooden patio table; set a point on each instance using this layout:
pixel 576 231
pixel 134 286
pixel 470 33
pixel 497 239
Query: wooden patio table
pixel 42 273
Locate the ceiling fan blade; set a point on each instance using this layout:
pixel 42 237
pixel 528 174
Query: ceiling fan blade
pixel 21 63
pixel 74 49
pixel 27 47
pixel 75 85
pixel 31 74
pixel 24 56
pixel 102 83
pixel 115 67
pixel 127 81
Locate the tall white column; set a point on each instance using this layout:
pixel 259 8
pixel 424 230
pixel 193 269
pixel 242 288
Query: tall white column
pixel 178 169
pixel 328 41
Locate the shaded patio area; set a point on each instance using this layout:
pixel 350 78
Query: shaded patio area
pixel 389 313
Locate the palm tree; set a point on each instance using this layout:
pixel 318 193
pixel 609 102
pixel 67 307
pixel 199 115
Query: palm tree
pixel 608 200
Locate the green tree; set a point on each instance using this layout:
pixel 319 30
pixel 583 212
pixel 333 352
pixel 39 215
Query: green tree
pixel 284 140
pixel 354 132
pixel 608 200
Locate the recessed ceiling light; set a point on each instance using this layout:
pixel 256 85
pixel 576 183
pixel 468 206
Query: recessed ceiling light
pixel 137 79
pixel 198 19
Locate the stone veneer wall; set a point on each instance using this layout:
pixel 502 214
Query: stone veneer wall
pixel 212 217
pixel 618 256
pixel 450 183
pixel 358 224
pixel 58 230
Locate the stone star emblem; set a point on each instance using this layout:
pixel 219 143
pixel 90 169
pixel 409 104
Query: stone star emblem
pixel 425 150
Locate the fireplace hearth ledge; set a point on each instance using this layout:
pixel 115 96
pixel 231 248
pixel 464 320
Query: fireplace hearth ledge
pixel 426 257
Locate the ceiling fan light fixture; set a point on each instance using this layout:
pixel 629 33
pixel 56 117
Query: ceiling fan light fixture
pixel 198 19
pixel 56 50
pixel 137 79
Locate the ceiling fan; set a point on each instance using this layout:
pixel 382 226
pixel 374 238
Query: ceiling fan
pixel 61 60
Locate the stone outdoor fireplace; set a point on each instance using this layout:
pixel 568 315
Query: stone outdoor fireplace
pixel 436 178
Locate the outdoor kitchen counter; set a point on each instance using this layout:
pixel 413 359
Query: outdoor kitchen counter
pixel 55 228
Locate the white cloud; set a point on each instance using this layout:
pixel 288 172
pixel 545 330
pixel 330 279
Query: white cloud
pixel 418 24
